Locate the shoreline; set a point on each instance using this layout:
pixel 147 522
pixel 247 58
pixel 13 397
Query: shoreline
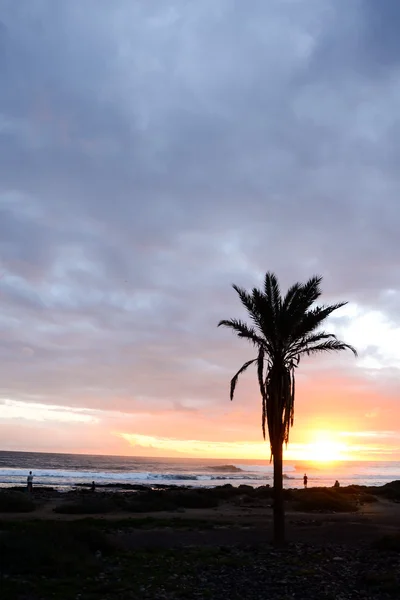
pixel 64 471
pixel 131 499
pixel 121 487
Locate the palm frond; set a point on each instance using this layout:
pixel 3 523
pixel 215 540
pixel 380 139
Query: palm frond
pixel 328 346
pixel 290 295
pixel 304 296
pixel 266 320
pixel 311 290
pixel 261 383
pixel 236 377
pixel 245 298
pixel 313 318
pixel 272 292
pixel 301 298
pixel 287 401
pixel 257 310
pixel 271 299
pixel 302 343
pixel 243 330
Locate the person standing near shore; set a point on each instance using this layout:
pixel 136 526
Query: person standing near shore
pixel 305 480
pixel 29 481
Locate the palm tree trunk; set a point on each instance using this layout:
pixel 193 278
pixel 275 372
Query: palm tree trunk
pixel 279 510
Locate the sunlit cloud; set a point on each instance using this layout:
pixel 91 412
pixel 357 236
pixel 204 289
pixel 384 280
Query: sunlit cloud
pixel 369 434
pixel 13 409
pixel 199 448
pixel 318 450
pixel 370 330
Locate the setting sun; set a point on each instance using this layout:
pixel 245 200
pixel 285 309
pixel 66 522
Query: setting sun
pixel 325 451
pixel 323 448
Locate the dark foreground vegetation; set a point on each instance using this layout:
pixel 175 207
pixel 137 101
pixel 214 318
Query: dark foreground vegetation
pixel 89 560
pixel 16 501
pixel 222 552
pixel 174 498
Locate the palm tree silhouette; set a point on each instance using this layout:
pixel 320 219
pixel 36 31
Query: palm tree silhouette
pixel 283 329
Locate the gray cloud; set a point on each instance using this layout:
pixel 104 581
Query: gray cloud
pixel 153 153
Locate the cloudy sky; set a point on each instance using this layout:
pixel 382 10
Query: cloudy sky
pixel 152 153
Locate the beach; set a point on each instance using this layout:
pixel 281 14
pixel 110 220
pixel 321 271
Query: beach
pixel 204 551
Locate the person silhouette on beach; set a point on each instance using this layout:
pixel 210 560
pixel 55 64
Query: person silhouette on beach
pixel 305 480
pixel 29 481
pixel 93 487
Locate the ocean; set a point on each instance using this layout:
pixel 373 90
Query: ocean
pixel 64 471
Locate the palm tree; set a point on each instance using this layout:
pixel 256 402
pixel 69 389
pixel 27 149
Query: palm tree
pixel 282 329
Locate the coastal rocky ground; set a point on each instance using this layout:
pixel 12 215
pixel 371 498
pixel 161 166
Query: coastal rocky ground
pixel 176 543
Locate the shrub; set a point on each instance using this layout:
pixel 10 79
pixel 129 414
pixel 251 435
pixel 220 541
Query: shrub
pixel 358 493
pixel 390 490
pixel 246 501
pixel 349 490
pixel 86 506
pixel 195 499
pixel 320 499
pixel 264 491
pixel 223 492
pixel 18 502
pixel 150 503
pixel 170 500
pixel 54 549
pixel 364 498
pixel 247 489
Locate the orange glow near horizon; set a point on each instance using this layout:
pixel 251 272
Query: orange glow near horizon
pixel 332 431
pixel 323 448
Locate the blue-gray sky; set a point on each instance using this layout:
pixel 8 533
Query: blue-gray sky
pixel 154 152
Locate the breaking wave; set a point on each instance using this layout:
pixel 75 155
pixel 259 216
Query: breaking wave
pixel 225 469
pixel 65 471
